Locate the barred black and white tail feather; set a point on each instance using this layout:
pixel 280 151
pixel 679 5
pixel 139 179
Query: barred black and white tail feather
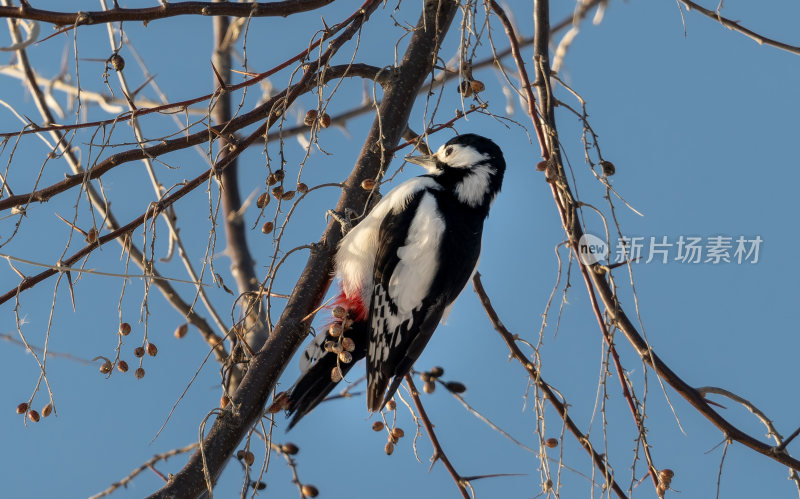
pixel 316 364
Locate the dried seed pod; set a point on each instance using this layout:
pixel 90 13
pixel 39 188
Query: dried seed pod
pixel 22 408
pixel 339 312
pixel 224 402
pixel 477 86
pixel 33 416
pixel 122 366
pixel 288 196
pixel 551 443
pixel 302 188
pixel 117 62
pixel 263 200
pixel 91 236
pixel 124 329
pixel 398 432
pixel 455 387
pixel 345 357
pixel 368 184
pixel 277 192
pixel 465 89
pixel 337 348
pixel 348 344
pixel 309 490
pixel 324 120
pixel 106 367
pixel 267 227
pixel 425 376
pixel 336 374
pixel 139 373
pixel 389 448
pixel 310 117
pixel 666 474
pixel 290 449
pixel 152 350
pixel 541 166
pixel 271 180
pixel 608 168
pixel 429 387
pixel 248 458
pixel 240 454
pixel 328 346
pixel 437 372
pixel 377 426
pixel 279 403
pixel 47 410
pixel 393 439
pixel 335 330
pixel 259 485
pixel 181 330
pixel 138 352
pixel 391 405
pixel 279 175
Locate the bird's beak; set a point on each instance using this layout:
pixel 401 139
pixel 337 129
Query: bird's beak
pixel 426 161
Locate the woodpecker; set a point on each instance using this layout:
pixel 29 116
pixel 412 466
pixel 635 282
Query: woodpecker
pixel 400 270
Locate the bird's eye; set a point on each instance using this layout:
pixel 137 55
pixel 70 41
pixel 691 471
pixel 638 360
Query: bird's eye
pixel 448 151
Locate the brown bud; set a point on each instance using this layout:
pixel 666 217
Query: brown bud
pixel 477 86
pixel 339 312
pixel 324 120
pixel 152 350
pixel 377 426
pixel 437 372
pixel 541 166
pixel 302 188
pixel 345 357
pixel 277 192
pixel 122 366
pixel 33 416
pixel 336 374
pixel 310 118
pixel 117 62
pixel 247 457
pixel 106 367
pixel 224 401
pixel 398 433
pixel 465 89
pixel 608 168
pixel 309 490
pixel 290 448
pixel 666 474
pixel 335 330
pixel 47 410
pixel 348 344
pixel 139 373
pixel 391 405
pixel 429 387
pixel 22 408
pixel 288 196
pixel 455 387
pixel 368 184
pixel 124 329
pixel 181 330
pixel 551 443
pixel 259 485
pixel 267 227
pixel 389 448
pixel 138 352
pixel 262 201
pixel 91 236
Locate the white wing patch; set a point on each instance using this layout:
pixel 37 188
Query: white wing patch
pixel 355 259
pixel 474 187
pixel 419 258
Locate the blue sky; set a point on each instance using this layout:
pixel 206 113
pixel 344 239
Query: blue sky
pixel 702 130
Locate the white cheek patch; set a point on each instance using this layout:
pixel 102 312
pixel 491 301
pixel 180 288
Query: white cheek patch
pixel 460 156
pixel 474 187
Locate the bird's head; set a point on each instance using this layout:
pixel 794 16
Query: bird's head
pixel 470 164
